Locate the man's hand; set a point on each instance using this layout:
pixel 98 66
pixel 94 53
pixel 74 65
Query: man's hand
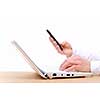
pixel 67 49
pixel 75 63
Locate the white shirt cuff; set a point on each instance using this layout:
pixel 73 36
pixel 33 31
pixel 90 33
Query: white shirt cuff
pixel 95 66
pixel 87 54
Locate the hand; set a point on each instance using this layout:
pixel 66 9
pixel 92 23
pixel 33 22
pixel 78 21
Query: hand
pixel 67 49
pixel 75 63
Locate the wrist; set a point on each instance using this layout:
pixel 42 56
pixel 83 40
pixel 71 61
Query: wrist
pixel 69 53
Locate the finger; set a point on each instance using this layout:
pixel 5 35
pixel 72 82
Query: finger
pixel 66 45
pixel 65 65
pixel 69 62
pixel 59 50
pixel 53 42
pixel 55 45
pixel 74 57
pixel 71 69
pixel 74 62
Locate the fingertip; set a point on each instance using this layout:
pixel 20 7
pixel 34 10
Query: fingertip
pixel 64 42
pixel 59 50
pixel 66 70
pixel 50 38
pixel 61 68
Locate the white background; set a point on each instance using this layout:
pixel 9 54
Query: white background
pixel 30 32
pixel 25 21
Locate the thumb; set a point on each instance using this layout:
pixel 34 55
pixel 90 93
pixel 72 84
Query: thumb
pixel 66 45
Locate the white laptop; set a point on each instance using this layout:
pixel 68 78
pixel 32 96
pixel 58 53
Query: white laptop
pixel 49 75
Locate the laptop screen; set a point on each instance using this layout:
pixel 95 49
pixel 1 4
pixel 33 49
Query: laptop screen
pixel 28 60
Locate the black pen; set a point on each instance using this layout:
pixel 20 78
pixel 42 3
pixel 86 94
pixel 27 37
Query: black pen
pixel 54 39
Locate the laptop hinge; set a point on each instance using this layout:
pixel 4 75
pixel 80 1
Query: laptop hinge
pixel 46 75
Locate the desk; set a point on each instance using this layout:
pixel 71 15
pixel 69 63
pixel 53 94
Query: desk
pixel 31 77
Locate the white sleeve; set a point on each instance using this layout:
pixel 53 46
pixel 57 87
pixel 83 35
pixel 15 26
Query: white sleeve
pixel 87 53
pixel 95 66
pixel 83 53
pixel 92 56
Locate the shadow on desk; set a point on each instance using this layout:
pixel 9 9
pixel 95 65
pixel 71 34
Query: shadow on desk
pixel 31 77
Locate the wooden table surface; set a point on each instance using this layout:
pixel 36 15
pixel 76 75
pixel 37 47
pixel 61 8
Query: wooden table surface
pixel 31 77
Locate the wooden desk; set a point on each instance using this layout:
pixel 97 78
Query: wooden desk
pixel 31 77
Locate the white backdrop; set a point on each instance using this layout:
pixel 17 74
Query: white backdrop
pixel 30 33
pixel 76 21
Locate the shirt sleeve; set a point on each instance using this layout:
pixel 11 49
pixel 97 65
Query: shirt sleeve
pixel 87 53
pixel 95 66
pixel 92 56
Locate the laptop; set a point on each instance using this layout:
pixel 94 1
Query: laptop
pixel 49 75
